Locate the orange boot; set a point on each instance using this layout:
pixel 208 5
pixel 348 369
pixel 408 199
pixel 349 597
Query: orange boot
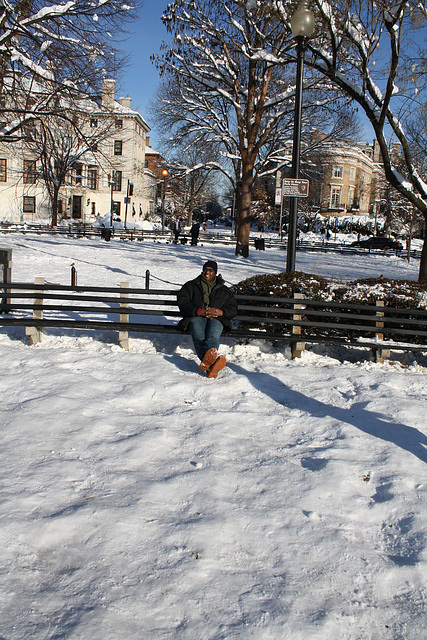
pixel 208 360
pixel 216 367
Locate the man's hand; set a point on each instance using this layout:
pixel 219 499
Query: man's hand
pixel 211 312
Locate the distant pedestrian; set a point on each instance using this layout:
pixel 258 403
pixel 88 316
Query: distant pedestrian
pixel 176 229
pixel 195 230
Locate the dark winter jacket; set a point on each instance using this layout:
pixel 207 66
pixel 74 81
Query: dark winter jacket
pixel 190 299
pixel 195 229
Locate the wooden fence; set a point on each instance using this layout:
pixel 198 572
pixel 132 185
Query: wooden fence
pixel 297 320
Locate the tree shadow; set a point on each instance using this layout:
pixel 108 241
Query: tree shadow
pixel 372 423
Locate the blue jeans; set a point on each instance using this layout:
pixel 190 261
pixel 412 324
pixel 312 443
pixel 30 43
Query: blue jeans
pixel 205 333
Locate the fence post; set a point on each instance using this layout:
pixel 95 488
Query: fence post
pixel 147 279
pixel 5 276
pixel 35 333
pixel 297 346
pixel 124 318
pixel 380 354
pixel 73 275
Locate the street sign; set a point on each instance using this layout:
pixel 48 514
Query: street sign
pixel 296 187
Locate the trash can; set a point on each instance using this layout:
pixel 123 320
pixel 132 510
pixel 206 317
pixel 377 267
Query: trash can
pixel 260 244
pixel 106 234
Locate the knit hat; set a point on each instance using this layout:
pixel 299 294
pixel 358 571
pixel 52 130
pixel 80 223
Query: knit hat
pixel 212 264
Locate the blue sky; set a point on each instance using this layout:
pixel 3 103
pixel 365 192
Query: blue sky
pixel 140 79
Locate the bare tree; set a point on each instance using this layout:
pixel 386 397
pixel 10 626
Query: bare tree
pixel 368 49
pixel 47 49
pixel 60 143
pixel 227 88
pixel 192 183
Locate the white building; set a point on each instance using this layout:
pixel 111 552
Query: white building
pixel 350 174
pixel 109 165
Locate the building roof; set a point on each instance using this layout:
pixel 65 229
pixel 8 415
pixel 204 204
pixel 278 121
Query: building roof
pixel 152 152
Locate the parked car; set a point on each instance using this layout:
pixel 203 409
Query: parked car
pixel 378 242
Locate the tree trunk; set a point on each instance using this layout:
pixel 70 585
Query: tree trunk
pixel 55 197
pixel 244 211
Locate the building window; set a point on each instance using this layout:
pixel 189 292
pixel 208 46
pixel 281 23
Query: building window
pixel 29 205
pixel 352 173
pixel 118 147
pixel 119 123
pixel 335 197
pixel 338 172
pixel 3 170
pixel 93 123
pixel 77 173
pixel 30 172
pixel 117 180
pixel 92 178
pixel 350 198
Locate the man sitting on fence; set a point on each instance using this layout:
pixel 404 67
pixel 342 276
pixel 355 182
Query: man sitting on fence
pixel 207 307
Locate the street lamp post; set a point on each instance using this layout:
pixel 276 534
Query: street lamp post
pixel 302 25
pixel 165 175
pixel 111 185
pixel 129 193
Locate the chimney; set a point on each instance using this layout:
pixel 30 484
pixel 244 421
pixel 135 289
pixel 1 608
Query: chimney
pixel 125 102
pixel 108 91
pixel 147 141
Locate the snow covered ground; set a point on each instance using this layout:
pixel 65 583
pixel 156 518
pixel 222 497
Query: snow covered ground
pixel 140 500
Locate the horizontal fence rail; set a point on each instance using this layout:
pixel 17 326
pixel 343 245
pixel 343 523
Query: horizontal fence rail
pixel 297 319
